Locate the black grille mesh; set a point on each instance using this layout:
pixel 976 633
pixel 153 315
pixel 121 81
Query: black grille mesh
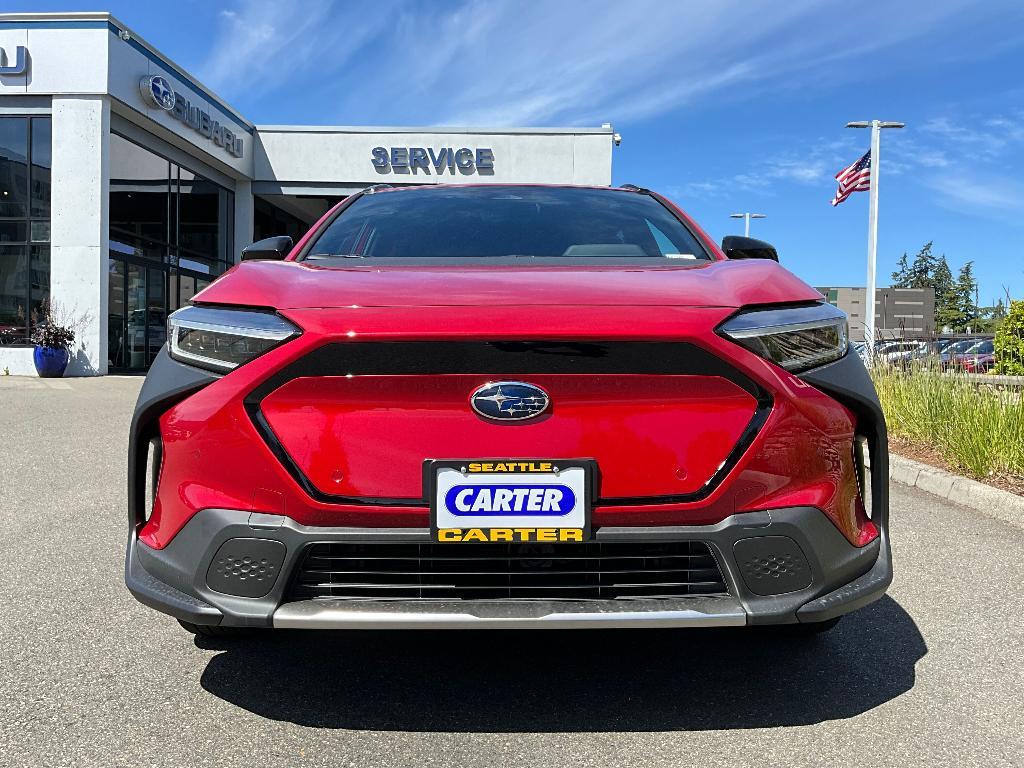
pixel 587 571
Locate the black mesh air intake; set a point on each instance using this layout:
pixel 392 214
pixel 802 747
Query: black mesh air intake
pixel 587 571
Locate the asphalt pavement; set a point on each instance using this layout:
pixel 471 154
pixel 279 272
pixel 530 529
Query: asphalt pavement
pixel 931 675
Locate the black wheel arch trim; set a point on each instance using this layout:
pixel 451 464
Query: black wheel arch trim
pixel 848 381
pixel 167 383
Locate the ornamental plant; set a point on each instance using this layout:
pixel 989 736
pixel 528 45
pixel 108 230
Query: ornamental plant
pixel 1009 342
pixel 54 327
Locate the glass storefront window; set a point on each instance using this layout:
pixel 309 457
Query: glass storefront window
pixel 206 211
pixel 41 162
pixel 39 279
pixel 116 304
pixel 24 224
pixel 14 167
pixel 170 233
pixel 13 293
pixel 140 191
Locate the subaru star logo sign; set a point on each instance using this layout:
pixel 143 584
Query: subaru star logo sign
pixel 509 401
pixel 158 92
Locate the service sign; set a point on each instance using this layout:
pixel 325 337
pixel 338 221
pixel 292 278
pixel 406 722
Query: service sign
pixel 440 159
pixel 510 500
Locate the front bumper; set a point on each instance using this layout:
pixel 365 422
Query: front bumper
pixel 839 578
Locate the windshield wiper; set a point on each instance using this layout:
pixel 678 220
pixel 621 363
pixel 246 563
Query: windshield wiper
pixel 336 256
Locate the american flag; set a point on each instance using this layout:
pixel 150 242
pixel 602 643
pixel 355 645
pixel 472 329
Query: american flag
pixel 855 178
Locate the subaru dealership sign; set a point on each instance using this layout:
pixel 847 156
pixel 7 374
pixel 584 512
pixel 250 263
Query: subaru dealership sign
pixel 158 92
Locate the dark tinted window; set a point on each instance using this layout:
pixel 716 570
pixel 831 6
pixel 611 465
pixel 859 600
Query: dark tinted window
pixel 24 224
pixel 563 224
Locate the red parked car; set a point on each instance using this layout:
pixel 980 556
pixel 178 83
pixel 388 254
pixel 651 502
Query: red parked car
pixel 979 358
pixel 507 406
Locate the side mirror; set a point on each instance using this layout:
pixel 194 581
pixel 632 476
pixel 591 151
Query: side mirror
pixel 272 248
pixel 737 247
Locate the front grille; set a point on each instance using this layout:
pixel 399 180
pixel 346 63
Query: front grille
pixel 587 571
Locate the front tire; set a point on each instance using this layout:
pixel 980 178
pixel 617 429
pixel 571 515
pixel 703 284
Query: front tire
pixel 209 630
pixel 810 629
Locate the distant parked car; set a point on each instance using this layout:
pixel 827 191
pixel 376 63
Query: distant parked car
pixel 898 352
pixel 929 352
pixel 950 354
pixel 908 353
pixel 978 359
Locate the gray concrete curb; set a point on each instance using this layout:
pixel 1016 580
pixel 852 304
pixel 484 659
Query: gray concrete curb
pixel 989 501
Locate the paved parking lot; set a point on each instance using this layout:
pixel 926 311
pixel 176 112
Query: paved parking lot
pixel 930 675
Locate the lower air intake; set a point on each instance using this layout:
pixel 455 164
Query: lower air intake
pixel 588 571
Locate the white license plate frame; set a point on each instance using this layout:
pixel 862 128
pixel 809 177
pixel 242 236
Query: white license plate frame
pixel 539 491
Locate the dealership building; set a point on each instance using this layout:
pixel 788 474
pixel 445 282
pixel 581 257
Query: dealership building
pixel 126 185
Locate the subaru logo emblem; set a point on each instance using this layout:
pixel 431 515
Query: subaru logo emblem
pixel 158 92
pixel 509 401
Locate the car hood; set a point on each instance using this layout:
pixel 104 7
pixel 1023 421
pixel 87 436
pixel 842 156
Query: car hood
pixel 295 285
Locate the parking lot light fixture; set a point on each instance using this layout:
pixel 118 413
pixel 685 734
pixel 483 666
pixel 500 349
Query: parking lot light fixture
pixel 746 220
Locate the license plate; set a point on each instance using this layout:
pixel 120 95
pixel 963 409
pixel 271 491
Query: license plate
pixel 510 500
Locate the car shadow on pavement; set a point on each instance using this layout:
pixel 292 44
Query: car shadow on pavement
pixel 556 681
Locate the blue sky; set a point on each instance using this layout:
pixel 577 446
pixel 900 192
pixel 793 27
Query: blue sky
pixel 723 105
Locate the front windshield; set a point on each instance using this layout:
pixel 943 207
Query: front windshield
pixel 508 223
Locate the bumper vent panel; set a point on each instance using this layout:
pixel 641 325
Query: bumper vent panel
pixel 588 571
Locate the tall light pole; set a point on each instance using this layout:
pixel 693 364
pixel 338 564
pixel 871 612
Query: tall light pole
pixel 876 127
pixel 746 220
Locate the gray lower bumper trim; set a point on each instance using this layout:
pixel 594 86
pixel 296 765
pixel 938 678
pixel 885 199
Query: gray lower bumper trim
pixel 397 614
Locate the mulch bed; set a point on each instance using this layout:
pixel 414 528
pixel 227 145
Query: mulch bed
pixel 927 454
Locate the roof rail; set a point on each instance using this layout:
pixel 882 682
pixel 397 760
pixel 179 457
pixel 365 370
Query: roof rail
pixel 377 188
pixel 635 188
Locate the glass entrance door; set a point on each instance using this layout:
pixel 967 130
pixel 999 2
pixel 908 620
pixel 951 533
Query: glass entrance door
pixel 137 317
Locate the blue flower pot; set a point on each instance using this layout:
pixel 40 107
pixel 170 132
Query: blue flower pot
pixel 50 361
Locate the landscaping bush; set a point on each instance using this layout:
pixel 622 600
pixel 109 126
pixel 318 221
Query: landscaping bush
pixel 1009 342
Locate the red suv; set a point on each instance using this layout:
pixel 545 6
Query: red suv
pixel 507 406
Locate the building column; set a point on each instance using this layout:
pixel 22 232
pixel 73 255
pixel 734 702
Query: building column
pixel 243 216
pixel 79 233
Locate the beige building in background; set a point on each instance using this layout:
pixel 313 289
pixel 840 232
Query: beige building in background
pixel 899 312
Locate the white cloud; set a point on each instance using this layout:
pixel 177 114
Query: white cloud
pixel 812 164
pixel 977 138
pixel 267 45
pixel 502 62
pixel 987 194
pixel 971 153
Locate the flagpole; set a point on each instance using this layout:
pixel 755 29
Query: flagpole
pixel 876 127
pixel 869 311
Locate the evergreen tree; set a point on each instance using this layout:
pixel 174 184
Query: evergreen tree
pixel 921 271
pixel 965 289
pixel 901 277
pixel 991 318
pixel 946 300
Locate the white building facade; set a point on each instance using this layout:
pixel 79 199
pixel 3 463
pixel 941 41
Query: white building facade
pixel 126 186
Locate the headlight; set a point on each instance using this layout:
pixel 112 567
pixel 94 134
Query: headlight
pixel 223 339
pixel 795 338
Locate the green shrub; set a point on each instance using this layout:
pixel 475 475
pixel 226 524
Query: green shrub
pixel 1009 342
pixel 976 428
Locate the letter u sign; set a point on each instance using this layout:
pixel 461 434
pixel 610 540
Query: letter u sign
pixel 20 66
